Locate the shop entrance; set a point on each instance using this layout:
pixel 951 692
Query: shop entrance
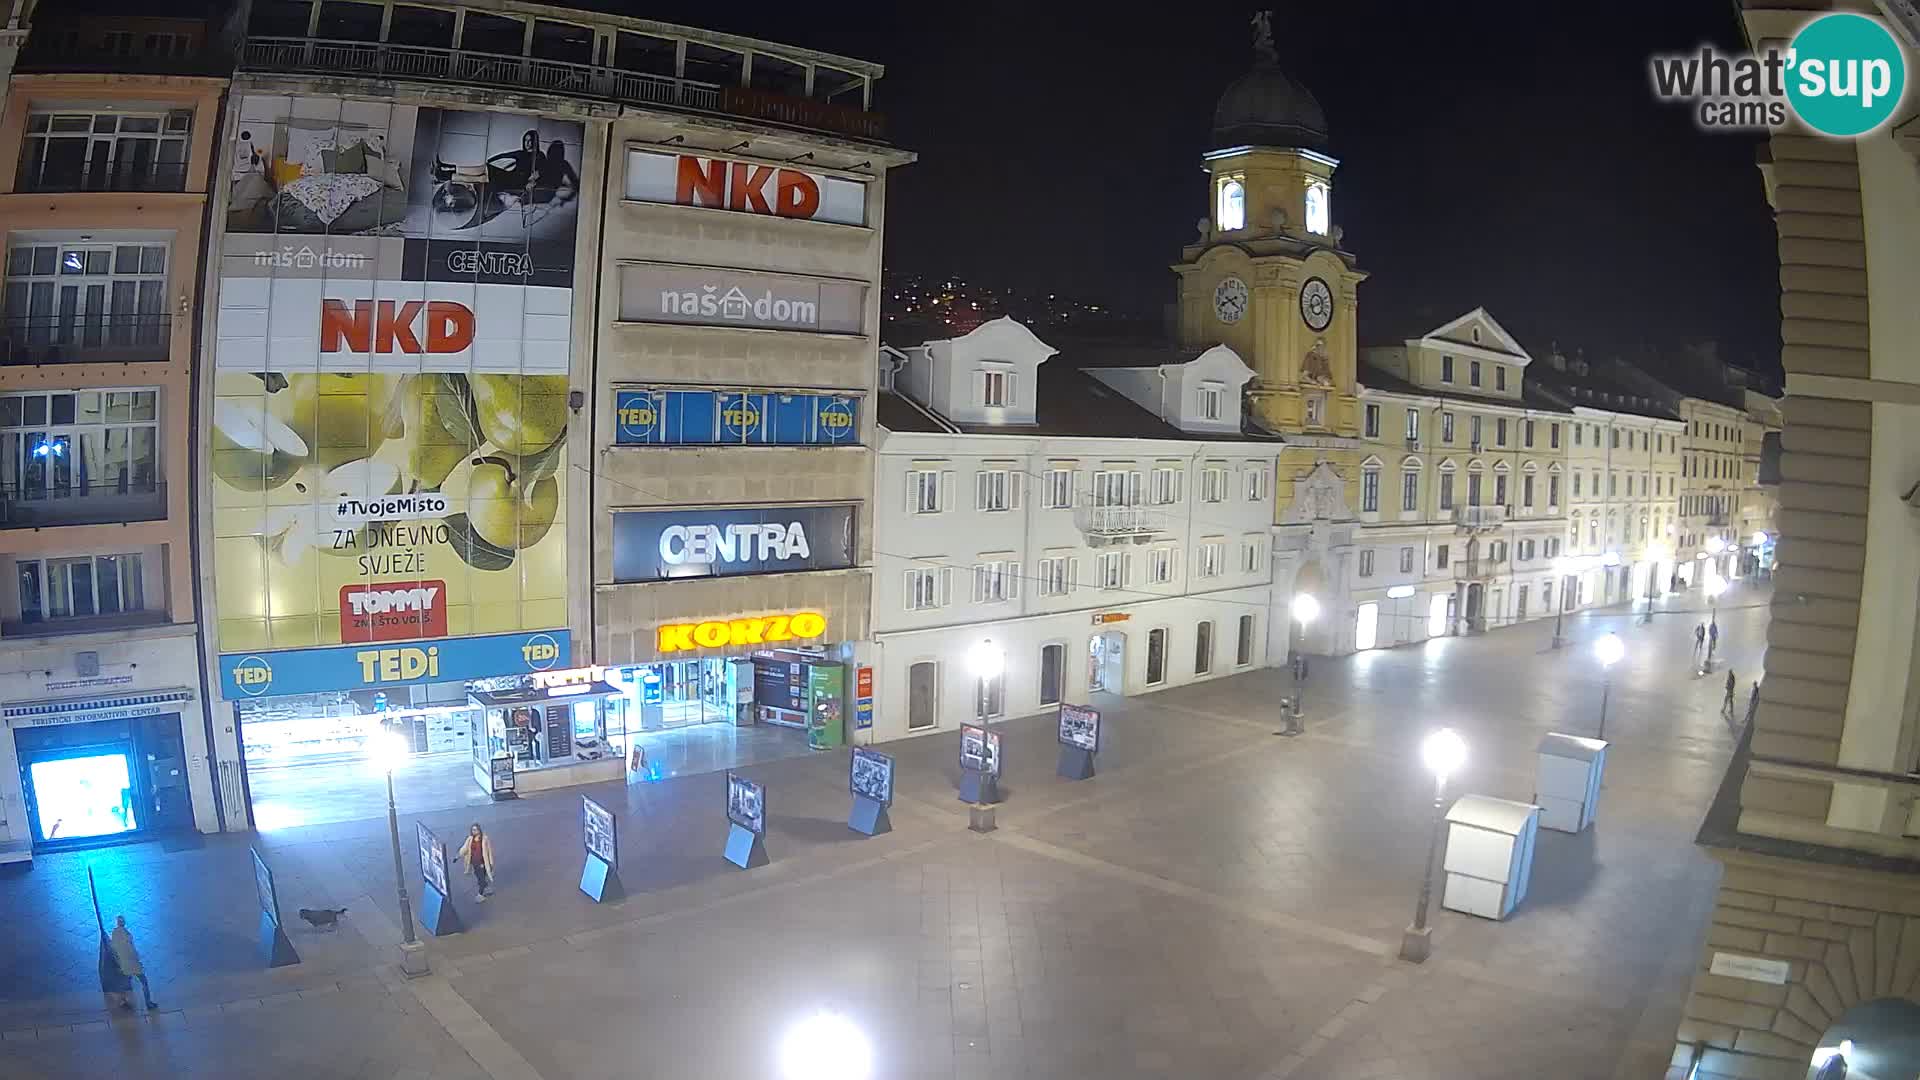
pixel 1106 655
pixel 102 782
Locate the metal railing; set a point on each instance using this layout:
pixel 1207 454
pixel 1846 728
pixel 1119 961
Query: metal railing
pixel 85 339
pixel 102 175
pixel 81 504
pixel 1479 517
pixel 1122 520
pixel 389 61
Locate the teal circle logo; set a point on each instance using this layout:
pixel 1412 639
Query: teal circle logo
pixel 1846 74
pixel 253 675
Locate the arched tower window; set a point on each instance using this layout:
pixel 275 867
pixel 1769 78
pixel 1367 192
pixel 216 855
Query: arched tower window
pixel 1232 213
pixel 1319 210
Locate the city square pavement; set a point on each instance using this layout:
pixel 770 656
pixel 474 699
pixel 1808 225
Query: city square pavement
pixel 1217 902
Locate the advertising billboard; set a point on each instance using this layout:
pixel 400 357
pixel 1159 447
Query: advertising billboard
pixel 980 749
pixel 1080 726
pixel 734 418
pixel 870 775
pixel 393 339
pixel 745 187
pixel 747 804
pixel 654 545
pixel 600 831
pixel 718 296
pixel 433 858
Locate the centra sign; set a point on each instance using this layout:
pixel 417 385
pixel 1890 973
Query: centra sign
pixel 759 630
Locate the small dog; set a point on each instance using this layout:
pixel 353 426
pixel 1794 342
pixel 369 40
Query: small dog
pixel 324 918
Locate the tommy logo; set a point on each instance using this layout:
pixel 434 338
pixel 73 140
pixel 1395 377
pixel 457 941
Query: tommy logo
pixel 389 326
pixel 393 612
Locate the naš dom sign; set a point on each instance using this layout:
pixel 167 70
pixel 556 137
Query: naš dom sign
pixel 757 630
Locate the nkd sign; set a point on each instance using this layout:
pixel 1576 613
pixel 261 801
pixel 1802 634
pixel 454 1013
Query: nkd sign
pixel 744 187
pixel 654 545
pixel 699 296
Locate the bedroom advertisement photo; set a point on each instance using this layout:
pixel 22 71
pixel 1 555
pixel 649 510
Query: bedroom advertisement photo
pixel 390 415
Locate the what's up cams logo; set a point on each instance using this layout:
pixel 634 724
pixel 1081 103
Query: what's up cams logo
pixel 1842 75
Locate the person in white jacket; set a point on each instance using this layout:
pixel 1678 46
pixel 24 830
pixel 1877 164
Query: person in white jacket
pixel 128 956
pixel 477 853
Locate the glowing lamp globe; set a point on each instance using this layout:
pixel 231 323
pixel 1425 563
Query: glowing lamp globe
pixel 1444 752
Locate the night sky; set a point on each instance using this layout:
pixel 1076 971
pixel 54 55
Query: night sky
pixel 1505 154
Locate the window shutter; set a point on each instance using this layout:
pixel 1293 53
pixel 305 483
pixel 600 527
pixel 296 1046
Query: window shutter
pixel 1013 571
pixel 1133 489
pixel 912 591
pixel 1013 388
pixel 1073 574
pixel 980 489
pixel 979 582
pixel 944 594
pixel 913 492
pixel 1014 476
pixel 1179 485
pixel 1126 568
pixel 946 492
pixel 980 387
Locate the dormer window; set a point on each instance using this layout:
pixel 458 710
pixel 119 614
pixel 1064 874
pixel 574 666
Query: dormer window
pixel 1210 397
pixel 1319 208
pixel 996 388
pixel 1476 335
pixel 1232 211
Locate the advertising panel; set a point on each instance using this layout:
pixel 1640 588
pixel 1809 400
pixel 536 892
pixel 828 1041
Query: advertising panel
pixel 980 749
pixel 653 545
pixel 1080 726
pixel 433 858
pixel 730 418
pixel 388 442
pixel 747 804
pixel 263 889
pixel 354 667
pixel 721 183
pixel 717 296
pixel 870 775
pixel 601 831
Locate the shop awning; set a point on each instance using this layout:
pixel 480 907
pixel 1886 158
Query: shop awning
pixel 90 709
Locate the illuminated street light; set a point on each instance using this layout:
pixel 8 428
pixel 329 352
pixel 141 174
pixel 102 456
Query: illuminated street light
pixel 826 1046
pixel 1305 608
pixel 986 660
pixel 1443 752
pixel 385 751
pixel 1716 545
pixel 1608 650
pixel 1760 538
pixel 1715 586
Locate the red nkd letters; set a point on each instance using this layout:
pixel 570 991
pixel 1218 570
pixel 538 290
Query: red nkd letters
pixel 736 185
pixel 388 326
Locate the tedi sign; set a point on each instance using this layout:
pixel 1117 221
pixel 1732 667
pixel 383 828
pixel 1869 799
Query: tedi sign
pixel 652 545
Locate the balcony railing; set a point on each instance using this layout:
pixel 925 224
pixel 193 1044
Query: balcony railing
pixel 81 504
pixel 102 175
pixel 1479 517
pixel 85 339
pixel 1121 522
pixel 388 61
pixel 1476 569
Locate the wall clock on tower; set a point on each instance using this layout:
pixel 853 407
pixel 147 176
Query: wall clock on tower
pixel 1230 300
pixel 1316 304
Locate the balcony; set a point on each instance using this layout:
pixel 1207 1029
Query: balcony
pixel 85 339
pixel 1475 569
pixel 101 175
pixel 1717 520
pixel 383 60
pixel 1479 517
pixel 1119 524
pixel 82 504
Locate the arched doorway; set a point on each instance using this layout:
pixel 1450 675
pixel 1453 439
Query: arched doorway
pixel 1476 605
pixel 1874 1040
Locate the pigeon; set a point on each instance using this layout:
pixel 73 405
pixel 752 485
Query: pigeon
pixel 324 918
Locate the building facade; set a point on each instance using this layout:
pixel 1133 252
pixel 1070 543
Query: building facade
pixel 1096 520
pixel 1714 474
pixel 106 154
pixel 1816 925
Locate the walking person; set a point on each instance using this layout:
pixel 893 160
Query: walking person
pixel 477 853
pixel 1713 638
pixel 127 955
pixel 1699 638
pixel 1726 706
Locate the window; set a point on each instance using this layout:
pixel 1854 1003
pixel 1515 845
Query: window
pixel 1497 551
pixel 88 296
pixel 1057 489
pixel 1056 575
pixel 1593 534
pixel 1210 401
pixel 1446 428
pixel 1319 210
pixel 1316 409
pixel 1526 434
pixel 1252 552
pixel 926 588
pixel 75 588
pixel 1366 562
pixel 1372 421
pixel 1413 426
pixel 1166 485
pixel 1160 562
pixel 1473 373
pixel 1578 434
pixel 995 581
pixel 1553 491
pixel 1053 665
pixel 1499 489
pixel 1613 484
pixel 1156 656
pixel 1410 491
pixel 996 389
pixel 1446 491
pixel 1243 649
pixel 1553 436
pixel 106 151
pixel 1500 431
pixel 1116 487
pixel 79 442
pixel 1213 555
pixel 1613 438
pixel 1441 554
pixel 1576 483
pixel 1203 648
pixel 1213 484
pixel 1113 569
pixel 1499 377
pixel 1553 546
pixel 1370 491
pixel 1446 369
pixel 1473 489
pixel 1526 492
pixel 1232 212
pixel 1256 483
pixel 996 489
pixel 1406 560
pixel 1473 431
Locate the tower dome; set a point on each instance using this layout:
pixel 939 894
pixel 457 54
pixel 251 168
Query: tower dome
pixel 1266 108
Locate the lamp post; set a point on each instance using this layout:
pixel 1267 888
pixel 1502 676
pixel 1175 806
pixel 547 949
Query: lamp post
pixel 1716 545
pixel 385 751
pixel 1608 650
pixel 1305 610
pixel 1715 586
pixel 986 660
pixel 1443 752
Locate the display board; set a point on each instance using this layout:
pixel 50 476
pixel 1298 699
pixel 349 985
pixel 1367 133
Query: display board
pixel 747 804
pixel 433 858
pixel 1080 726
pixel 870 775
pixel 980 749
pixel 263 888
pixel 602 831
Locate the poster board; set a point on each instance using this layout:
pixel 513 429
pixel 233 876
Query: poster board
pixel 433 858
pixel 1080 727
pixel 747 804
pixel 601 831
pixel 870 775
pixel 980 749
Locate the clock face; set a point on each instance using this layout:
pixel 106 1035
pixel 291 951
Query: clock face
pixel 1230 300
pixel 1316 304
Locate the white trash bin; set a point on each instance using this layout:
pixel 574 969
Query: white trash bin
pixel 1489 855
pixel 1567 783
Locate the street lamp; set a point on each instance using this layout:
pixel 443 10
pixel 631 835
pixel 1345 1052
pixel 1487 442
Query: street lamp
pixel 1443 752
pixel 1608 650
pixel 1656 554
pixel 826 1046
pixel 1305 610
pixel 1715 586
pixel 986 660
pixel 385 750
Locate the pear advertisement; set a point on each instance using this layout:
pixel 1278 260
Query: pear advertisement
pixel 389 427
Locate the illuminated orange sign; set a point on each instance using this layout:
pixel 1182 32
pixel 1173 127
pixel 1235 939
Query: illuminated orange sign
pixel 759 630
